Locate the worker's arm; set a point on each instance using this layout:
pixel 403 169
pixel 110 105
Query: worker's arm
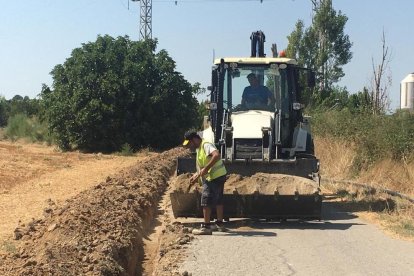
pixel 215 156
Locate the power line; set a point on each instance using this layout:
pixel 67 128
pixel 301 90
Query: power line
pixel 145 23
pixel 200 1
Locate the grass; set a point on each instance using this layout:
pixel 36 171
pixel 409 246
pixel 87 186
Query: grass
pixel 337 157
pixel 375 137
pixel 126 150
pixel 20 126
pixel 403 226
pixel 394 214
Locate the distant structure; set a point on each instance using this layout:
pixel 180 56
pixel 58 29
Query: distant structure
pixel 407 92
pixel 145 22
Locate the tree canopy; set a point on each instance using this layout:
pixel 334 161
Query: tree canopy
pixel 323 46
pixel 18 105
pixel 113 92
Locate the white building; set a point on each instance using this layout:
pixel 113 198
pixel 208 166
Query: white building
pixel 407 92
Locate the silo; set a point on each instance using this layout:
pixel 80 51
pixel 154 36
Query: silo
pixel 407 92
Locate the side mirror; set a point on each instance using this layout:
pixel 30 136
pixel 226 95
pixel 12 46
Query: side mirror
pixel 235 73
pixel 212 106
pixel 297 106
pixel 210 88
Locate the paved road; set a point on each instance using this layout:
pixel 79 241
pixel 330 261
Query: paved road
pixel 340 245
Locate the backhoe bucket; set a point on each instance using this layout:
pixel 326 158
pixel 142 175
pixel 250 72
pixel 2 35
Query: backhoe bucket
pixel 264 190
pixel 252 206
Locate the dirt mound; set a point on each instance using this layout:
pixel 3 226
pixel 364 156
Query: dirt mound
pixel 98 232
pixel 263 183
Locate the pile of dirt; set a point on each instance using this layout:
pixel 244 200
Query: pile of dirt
pixel 263 183
pixel 32 175
pixel 98 232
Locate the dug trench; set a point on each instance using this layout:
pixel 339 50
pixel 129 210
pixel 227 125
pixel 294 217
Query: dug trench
pixel 122 226
pixel 101 231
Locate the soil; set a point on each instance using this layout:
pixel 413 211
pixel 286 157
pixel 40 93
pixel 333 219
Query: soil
pixel 263 183
pixel 164 248
pixel 34 175
pixel 99 231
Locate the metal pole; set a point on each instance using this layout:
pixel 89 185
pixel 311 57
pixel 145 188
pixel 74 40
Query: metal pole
pixel 145 25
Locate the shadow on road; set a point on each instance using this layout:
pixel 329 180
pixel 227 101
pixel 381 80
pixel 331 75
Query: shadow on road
pixel 250 233
pixel 290 224
pixel 333 218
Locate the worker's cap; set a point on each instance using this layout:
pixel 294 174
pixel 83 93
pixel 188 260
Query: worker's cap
pixel 251 76
pixel 190 135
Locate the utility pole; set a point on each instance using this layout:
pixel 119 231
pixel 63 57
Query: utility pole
pixel 145 22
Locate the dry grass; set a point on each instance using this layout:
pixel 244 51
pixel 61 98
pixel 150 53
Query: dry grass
pixel 336 157
pixel 397 176
pixel 336 163
pixel 393 214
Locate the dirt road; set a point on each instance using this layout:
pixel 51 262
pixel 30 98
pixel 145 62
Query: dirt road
pixel 340 245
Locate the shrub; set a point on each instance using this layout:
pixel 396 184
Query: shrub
pixel 126 150
pixel 21 126
pixel 376 136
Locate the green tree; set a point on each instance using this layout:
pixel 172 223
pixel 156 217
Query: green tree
pixel 295 43
pixel 323 47
pixel 3 111
pixel 360 102
pixel 113 92
pixel 24 105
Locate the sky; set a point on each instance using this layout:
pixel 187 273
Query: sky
pixel 35 36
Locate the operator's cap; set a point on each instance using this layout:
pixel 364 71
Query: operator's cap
pixel 190 135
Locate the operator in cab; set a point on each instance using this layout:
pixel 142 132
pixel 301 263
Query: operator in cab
pixel 256 95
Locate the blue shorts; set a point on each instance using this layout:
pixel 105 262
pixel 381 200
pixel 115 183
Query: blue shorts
pixel 212 194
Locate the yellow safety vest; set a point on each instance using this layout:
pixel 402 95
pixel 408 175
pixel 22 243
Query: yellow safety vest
pixel 214 172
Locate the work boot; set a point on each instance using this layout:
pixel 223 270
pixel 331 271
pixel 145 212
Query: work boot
pixel 213 227
pixel 203 230
pixel 219 227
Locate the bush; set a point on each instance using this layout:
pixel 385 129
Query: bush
pixel 21 126
pixel 376 136
pixel 126 150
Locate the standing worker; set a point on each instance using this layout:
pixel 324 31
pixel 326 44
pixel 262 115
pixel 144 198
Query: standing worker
pixel 212 173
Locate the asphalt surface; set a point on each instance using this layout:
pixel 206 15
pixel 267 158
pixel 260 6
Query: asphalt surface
pixel 341 244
